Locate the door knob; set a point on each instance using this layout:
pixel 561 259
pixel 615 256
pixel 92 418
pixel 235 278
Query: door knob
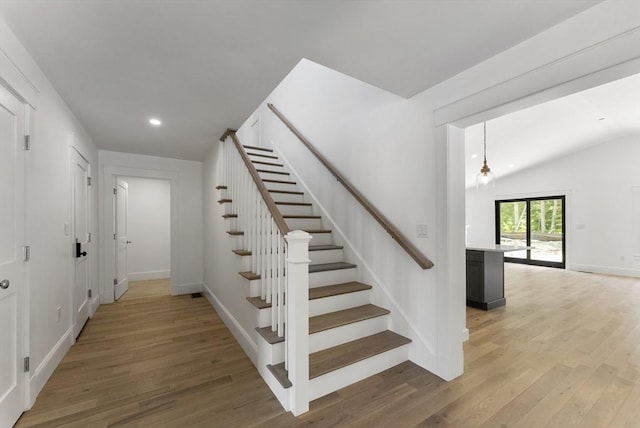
pixel 128 242
pixel 83 254
pixel 4 284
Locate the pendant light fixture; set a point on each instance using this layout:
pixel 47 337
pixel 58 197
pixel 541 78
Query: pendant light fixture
pixel 485 178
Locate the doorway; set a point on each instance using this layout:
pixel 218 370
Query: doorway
pixel 143 235
pixel 537 223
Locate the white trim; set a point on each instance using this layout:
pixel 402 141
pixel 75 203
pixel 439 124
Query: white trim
pixel 148 275
pixel 108 175
pixel 188 288
pixel 244 339
pixel 44 371
pixel 607 270
pixel 15 80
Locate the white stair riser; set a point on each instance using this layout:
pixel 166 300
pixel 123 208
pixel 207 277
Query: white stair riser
pixel 318 279
pixel 294 209
pixel 304 223
pixel 320 239
pixel 274 176
pixel 347 333
pixel 285 197
pixel 330 382
pixel 326 256
pixel 274 354
pixel 280 186
pixel 339 302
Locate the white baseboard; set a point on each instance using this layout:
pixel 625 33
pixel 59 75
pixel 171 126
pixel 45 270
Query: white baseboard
pixel 194 287
pixel 607 270
pixel 153 274
pixel 244 339
pixel 43 372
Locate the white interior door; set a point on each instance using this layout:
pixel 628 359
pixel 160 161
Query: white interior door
pixel 82 241
pixel 121 237
pixel 12 264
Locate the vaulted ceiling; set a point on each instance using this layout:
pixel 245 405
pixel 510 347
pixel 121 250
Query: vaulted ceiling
pixel 205 65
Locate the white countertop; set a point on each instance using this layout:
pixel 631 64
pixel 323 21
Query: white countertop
pixel 497 248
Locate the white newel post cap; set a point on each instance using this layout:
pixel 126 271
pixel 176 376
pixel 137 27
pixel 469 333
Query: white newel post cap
pixel 298 242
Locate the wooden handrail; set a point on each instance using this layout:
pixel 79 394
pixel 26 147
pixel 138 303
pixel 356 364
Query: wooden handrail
pixel 266 196
pixel 411 249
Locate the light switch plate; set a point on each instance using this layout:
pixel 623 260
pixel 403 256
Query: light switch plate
pixel 422 231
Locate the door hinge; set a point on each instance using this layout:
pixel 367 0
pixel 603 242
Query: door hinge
pixel 88 181
pixel 115 191
pixel 114 236
pixel 27 253
pixel 26 364
pixel 27 142
pixel 89 237
pixel 89 293
pixel 115 281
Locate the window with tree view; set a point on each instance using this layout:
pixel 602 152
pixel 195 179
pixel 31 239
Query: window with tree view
pixel 537 223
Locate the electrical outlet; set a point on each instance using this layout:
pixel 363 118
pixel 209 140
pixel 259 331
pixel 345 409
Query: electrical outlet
pixel 580 226
pixel 59 313
pixel 422 231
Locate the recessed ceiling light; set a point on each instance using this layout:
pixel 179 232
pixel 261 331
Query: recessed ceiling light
pixel 155 122
pixel 474 156
pixel 512 165
pixel 601 118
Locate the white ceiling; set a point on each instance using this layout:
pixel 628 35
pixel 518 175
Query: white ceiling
pixel 203 66
pixel 546 131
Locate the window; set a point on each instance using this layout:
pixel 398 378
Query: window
pixel 533 222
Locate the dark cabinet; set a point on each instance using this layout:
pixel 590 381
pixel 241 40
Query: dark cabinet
pixel 485 279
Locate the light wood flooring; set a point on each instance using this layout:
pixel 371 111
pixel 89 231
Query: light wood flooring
pixel 564 352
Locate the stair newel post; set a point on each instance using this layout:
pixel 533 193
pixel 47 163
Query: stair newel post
pixel 297 327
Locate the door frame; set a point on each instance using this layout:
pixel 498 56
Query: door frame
pixel 72 264
pixel 109 176
pixel 15 81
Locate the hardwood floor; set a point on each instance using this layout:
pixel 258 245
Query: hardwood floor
pixel 563 352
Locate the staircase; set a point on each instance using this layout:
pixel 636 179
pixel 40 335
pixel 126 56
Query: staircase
pixel 349 338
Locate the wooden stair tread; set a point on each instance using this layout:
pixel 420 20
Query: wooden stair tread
pixel 263 156
pixel 221 187
pixel 312 231
pixel 224 201
pixel 302 216
pixel 287 192
pixel 324 267
pixel 328 321
pixel 235 232
pixel 242 252
pixel 266 163
pixel 258 148
pixel 299 204
pixel 258 302
pixel 325 247
pixel 269 180
pixel 346 316
pixel 250 276
pixel 328 360
pixel 281 374
pixel 317 292
pixel 265 171
pixel 269 335
pixel 337 289
pixel 230 216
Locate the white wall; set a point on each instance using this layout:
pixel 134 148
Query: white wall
pixel 53 129
pixel 599 183
pixel 149 223
pixel 186 217
pixel 401 155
